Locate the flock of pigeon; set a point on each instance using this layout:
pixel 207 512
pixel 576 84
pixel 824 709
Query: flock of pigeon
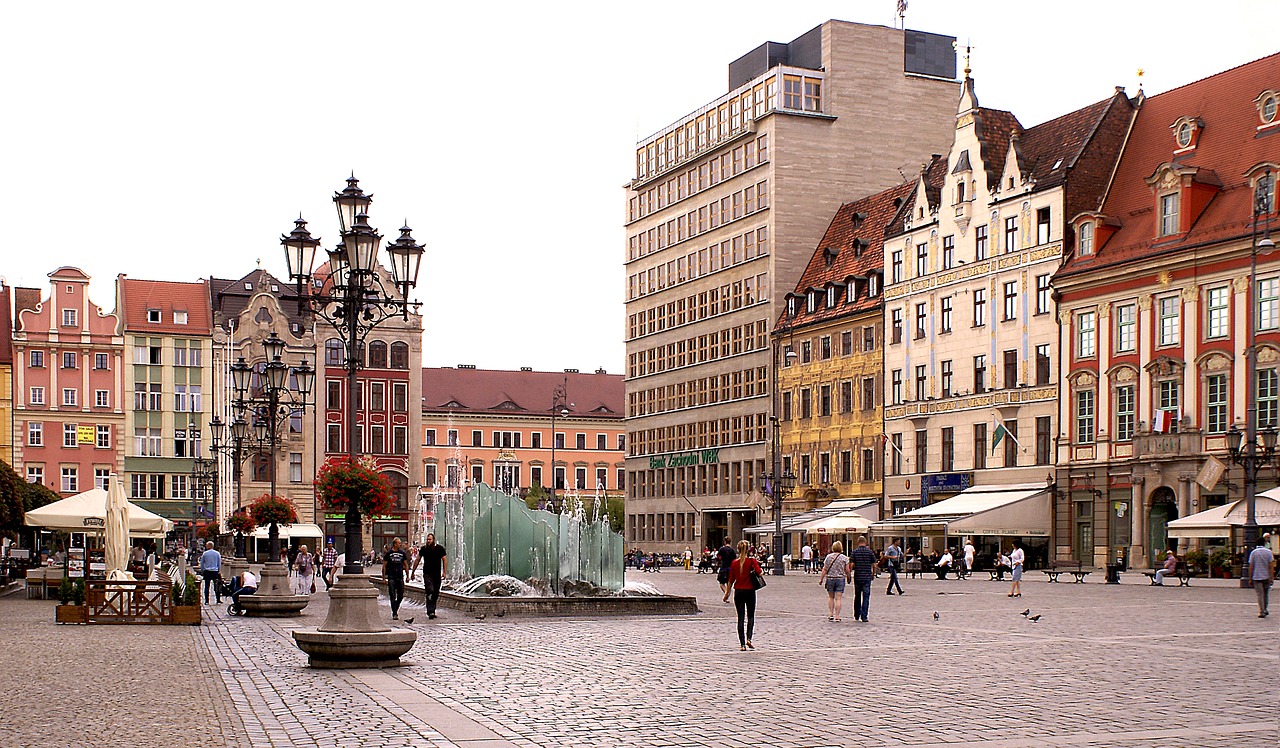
pixel 1025 614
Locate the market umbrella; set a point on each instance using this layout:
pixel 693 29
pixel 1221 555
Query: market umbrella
pixel 116 549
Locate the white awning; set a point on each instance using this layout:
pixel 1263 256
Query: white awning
pixel 87 512
pixel 1218 521
pixel 1017 511
pixel 836 524
pixel 792 522
pixel 301 531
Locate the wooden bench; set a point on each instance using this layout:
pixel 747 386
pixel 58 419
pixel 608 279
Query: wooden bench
pixel 1180 571
pixel 1060 566
pixel 998 573
pixel 913 568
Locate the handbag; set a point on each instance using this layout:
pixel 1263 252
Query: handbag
pixel 757 580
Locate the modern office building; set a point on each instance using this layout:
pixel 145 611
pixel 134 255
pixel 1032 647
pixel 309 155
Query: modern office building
pixel 167 329
pixel 722 215
pixel 68 385
pixel 970 319
pixel 1160 313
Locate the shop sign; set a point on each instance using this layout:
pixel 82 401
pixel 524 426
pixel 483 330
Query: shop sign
pixel 950 483
pixel 685 459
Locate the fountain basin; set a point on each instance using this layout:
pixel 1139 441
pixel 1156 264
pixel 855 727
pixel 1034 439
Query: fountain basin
pixel 344 649
pixel 554 606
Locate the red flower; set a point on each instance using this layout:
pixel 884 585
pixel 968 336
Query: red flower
pixel 241 522
pixel 267 509
pixel 341 481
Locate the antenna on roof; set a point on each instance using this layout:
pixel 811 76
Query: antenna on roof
pixel 902 14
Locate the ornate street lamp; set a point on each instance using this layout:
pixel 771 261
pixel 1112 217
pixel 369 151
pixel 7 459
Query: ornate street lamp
pixel 355 300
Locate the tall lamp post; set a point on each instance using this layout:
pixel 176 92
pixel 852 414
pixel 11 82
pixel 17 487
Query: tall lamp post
pixel 280 391
pixel 779 485
pixel 354 301
pixel 1244 448
pixel 204 484
pixel 559 405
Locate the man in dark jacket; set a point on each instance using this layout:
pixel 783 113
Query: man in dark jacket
pixel 864 572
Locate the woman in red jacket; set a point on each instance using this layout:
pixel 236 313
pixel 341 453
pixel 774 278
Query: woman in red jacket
pixel 744 593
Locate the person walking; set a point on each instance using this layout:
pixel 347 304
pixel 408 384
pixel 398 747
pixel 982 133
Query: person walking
pixel 725 554
pixel 969 554
pixel 393 571
pixel 211 570
pixel 892 561
pixel 744 593
pixel 1262 572
pixel 834 576
pixel 1016 558
pixel 806 555
pixel 432 557
pixel 863 560
pixel 688 558
pixel 328 560
pixel 305 564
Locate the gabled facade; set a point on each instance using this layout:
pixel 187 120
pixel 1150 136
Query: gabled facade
pixel 1156 305
pixel 969 315
pixel 167 330
pixel 68 382
pixel 829 348
pixel 722 215
pixel 6 375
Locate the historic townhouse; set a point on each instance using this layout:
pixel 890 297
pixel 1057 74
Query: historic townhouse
pixel 6 375
pixel 388 400
pixel 167 329
pixel 498 428
pixel 68 382
pixel 971 331
pixel 725 208
pixel 1156 306
pixel 830 347
pixel 245 313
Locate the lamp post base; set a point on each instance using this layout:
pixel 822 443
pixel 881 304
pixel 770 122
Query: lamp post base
pixel 354 634
pixel 274 597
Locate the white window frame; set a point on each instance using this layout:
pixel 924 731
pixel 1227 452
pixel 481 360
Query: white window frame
pixel 1217 309
pixel 1086 334
pixel 1126 328
pixel 1169 320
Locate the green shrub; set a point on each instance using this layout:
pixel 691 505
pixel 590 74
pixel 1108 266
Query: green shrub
pixel 77 592
pixel 65 591
pixel 191 591
pixel 1196 560
pixel 1220 558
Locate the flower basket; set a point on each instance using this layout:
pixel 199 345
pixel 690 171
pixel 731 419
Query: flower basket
pixel 267 509
pixel 342 482
pixel 241 522
pixel 209 531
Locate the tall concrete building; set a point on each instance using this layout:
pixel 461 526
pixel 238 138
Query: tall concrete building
pixel 722 216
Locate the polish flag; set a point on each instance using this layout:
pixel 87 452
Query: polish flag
pixel 1162 421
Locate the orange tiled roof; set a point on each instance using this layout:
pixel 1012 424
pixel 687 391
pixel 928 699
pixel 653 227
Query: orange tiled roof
pixel 137 297
pixel 466 390
pixel 1228 146
pixel 1048 151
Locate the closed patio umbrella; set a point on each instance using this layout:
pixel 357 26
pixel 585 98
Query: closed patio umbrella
pixel 116 542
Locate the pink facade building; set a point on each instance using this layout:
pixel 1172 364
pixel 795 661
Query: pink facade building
pixel 68 376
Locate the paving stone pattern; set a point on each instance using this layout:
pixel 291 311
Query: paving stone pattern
pixel 1128 666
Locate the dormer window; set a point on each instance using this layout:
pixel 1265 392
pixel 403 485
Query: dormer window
pixel 960 192
pixel 1268 103
pixel 851 292
pixel 179 318
pixel 791 306
pixel 1186 131
pixel 1264 194
pixel 831 297
pixel 873 285
pixel 153 315
pixel 811 302
pixel 1169 211
pixel 1086 239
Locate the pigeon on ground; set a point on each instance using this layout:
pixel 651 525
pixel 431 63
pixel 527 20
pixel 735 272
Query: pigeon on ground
pixel 481 617
pixel 408 620
pixel 936 616
pixel 1026 612
pixel 1034 618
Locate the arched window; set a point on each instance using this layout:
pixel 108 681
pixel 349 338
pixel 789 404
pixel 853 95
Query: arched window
pixel 377 355
pixel 399 355
pixel 400 487
pixel 333 353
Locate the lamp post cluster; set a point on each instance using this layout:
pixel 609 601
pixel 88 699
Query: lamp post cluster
pixel 559 406
pixel 779 486
pixel 1244 447
pixel 264 398
pixel 354 300
pixel 204 486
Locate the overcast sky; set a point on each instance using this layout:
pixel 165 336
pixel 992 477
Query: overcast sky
pixel 180 140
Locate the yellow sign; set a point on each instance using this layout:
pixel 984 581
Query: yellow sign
pixel 85 434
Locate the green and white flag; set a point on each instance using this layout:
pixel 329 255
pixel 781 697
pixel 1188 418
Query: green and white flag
pixel 1000 433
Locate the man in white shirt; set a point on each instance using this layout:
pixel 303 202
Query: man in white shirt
pixel 248 586
pixel 969 554
pixel 806 554
pixel 944 564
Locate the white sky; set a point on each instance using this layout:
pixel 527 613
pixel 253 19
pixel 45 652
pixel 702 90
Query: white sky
pixel 180 140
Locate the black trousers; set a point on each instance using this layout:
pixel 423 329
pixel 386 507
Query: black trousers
pixel 745 602
pixel 431 583
pixel 395 591
pixel 211 579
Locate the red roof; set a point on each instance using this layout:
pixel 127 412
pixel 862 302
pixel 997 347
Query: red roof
pixel 850 251
pixel 138 297
pixel 1228 146
pixel 467 390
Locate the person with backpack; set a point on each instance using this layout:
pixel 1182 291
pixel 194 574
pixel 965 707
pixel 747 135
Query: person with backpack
pixel 305 565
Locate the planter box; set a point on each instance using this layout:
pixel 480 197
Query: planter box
pixel 71 614
pixel 185 615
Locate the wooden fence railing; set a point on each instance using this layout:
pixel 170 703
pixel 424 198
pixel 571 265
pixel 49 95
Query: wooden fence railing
pixel 128 602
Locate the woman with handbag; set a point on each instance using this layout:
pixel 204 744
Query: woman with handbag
pixel 745 577
pixel 836 574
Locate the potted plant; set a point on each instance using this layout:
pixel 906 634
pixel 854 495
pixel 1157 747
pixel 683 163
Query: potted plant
pixel 1220 562
pixel 271 512
pixel 1197 561
pixel 343 482
pixel 71 608
pixel 186 602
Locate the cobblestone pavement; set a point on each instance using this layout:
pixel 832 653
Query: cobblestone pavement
pixel 1124 666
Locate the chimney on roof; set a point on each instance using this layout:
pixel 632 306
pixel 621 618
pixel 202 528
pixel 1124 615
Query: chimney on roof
pixel 526 368
pixel 570 371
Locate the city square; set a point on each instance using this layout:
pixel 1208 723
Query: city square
pixel 1130 666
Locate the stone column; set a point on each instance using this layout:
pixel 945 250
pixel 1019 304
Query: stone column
pixel 1138 534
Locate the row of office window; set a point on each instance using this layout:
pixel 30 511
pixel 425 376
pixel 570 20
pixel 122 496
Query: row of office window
pixel 187 398
pixel 717 344
pixel 187 353
pixel 507 476
pixel 377 396
pixel 696 480
pixel 1167 321
pixel 699 391
pixel 946 310
pixel 1009 244
pixel 513 439
pixel 715 432
pixel 336 436
pixel 844 396
pixel 982 376
pixel 942 456
pixel 816 469
pixel 376 355
pixel 70 397
pixel 827 346
pixel 71 436
pixel 70 477
pixel 663 527
pixel 699 306
pixel 68 360
pixel 693 181
pixel 1166 397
